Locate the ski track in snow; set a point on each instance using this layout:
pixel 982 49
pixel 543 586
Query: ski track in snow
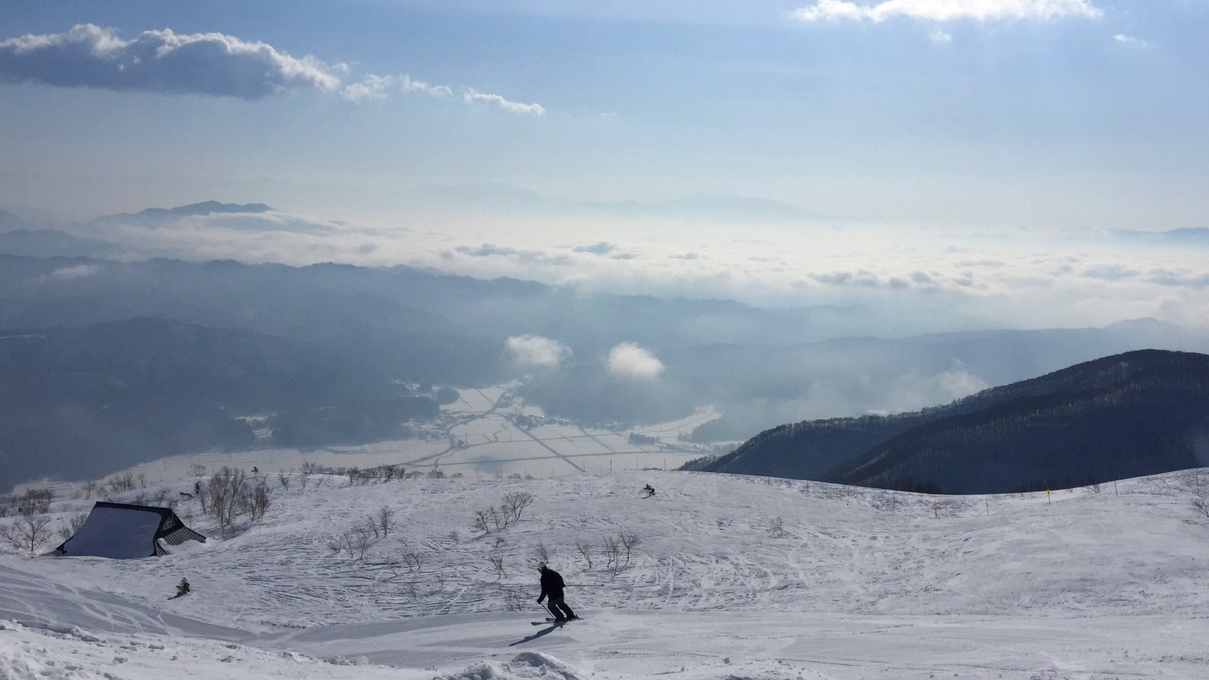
pixel 862 583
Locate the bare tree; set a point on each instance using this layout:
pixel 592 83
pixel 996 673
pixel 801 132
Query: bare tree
pixel 515 503
pixel 197 470
pixel 35 501
pixel 72 525
pixel 612 552
pixel 284 478
pixel 29 532
pixel 543 553
pixel 355 542
pixel 89 488
pixel 491 519
pixel 497 562
pixel 308 469
pixel 226 491
pixel 359 542
pixel 202 489
pixel 436 473
pixel 482 520
pixel 1201 505
pixel 410 556
pixel 336 544
pixel 585 551
pixel 384 518
pixel 500 518
pixel 256 502
pixel 629 541
pixel 121 483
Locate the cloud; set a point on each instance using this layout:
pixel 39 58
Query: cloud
pixel 1129 40
pixel 913 390
pixel 374 87
pixel 378 87
pixel 537 352
pixel 947 10
pixel 199 63
pixel 939 36
pixel 599 248
pixel 631 362
pixel 472 96
pixel 1112 272
pixel 842 278
pixel 77 272
pixel 521 255
pixel 604 249
pixel 160 61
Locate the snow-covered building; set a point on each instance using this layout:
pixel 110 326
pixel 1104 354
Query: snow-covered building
pixel 120 531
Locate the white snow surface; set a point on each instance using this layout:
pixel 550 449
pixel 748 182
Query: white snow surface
pixel 858 583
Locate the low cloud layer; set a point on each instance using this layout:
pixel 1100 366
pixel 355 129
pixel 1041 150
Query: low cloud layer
pixel 948 10
pixel 534 351
pixel 1075 279
pixel 628 361
pixel 160 61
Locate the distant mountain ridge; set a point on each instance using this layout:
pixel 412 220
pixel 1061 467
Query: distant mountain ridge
pixel 1133 414
pixel 203 208
pixel 9 221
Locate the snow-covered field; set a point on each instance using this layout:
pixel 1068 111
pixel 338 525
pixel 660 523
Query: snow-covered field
pixel 730 577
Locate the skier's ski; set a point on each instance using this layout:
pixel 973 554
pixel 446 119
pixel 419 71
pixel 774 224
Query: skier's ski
pixel 552 621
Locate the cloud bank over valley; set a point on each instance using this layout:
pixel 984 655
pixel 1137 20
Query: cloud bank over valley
pixel 1005 278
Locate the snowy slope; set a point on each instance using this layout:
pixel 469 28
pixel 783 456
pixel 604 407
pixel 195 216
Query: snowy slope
pixel 858 583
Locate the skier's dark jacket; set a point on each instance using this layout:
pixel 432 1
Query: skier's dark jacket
pixel 552 585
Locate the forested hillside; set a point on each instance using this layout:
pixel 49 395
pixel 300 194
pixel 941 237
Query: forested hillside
pixel 1132 414
pixel 79 402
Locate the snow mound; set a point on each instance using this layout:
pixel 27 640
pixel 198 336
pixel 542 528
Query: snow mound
pixel 522 666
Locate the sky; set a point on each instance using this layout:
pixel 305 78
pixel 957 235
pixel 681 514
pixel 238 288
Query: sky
pixel 1016 159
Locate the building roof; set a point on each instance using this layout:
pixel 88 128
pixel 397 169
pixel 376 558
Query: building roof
pixel 121 531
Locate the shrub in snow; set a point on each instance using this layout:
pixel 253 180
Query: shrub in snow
pixel 1201 505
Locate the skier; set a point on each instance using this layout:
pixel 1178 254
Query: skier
pixel 552 585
